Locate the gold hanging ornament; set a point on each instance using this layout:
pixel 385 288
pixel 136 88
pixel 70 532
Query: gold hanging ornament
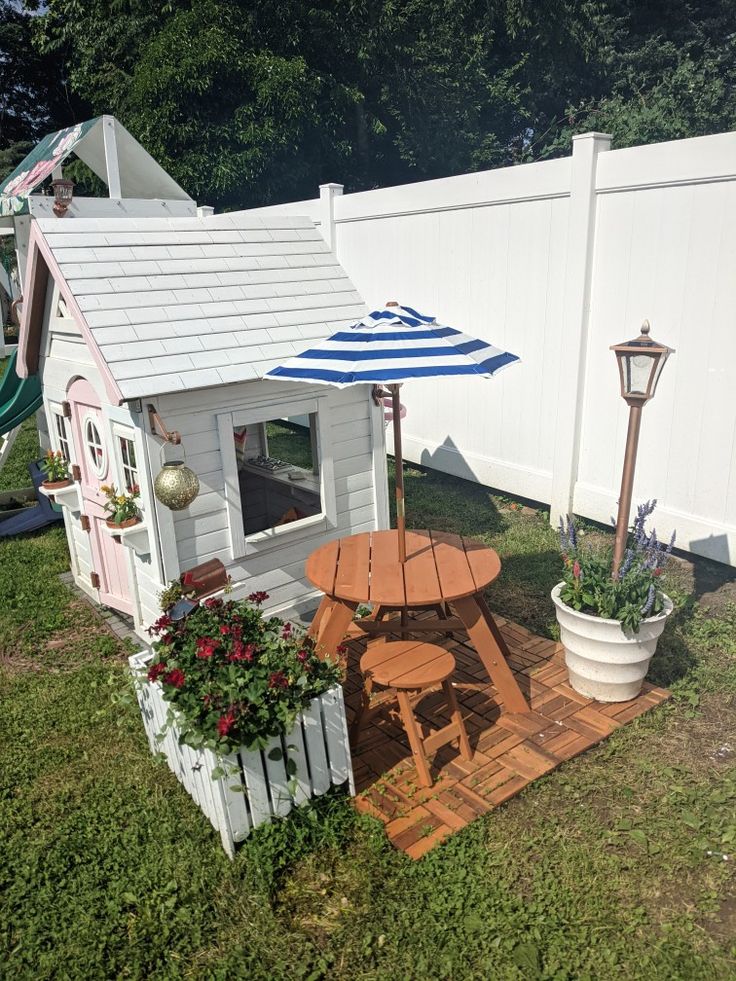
pixel 176 485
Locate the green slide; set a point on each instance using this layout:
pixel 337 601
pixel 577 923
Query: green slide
pixel 19 397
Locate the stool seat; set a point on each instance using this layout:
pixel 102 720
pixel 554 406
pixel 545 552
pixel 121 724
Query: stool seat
pixel 407 664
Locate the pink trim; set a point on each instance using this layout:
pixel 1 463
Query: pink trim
pixel 38 244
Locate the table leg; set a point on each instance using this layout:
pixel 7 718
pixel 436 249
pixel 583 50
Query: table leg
pixel 322 609
pixel 491 647
pixel 334 626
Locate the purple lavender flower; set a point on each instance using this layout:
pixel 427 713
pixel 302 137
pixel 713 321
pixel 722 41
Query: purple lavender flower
pixel 627 563
pixel 647 608
pixel 668 550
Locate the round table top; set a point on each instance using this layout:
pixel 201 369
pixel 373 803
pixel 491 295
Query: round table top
pixel 366 569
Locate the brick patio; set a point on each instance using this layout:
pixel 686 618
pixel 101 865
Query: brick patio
pixel 511 750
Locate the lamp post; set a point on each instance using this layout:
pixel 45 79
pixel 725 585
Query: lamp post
pixel 640 363
pixel 63 194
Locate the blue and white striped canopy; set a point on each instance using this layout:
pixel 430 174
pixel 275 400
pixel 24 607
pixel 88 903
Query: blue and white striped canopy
pixel 393 345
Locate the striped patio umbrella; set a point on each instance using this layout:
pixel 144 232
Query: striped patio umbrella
pixel 387 347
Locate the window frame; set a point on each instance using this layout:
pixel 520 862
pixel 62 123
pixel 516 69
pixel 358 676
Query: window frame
pixel 56 410
pixel 242 544
pixel 101 468
pixel 128 433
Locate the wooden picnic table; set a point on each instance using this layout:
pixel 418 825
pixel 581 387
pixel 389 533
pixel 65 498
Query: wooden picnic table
pixel 442 571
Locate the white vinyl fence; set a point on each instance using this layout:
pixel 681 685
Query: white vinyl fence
pixel 556 261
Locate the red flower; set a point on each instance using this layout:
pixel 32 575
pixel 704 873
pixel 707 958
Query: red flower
pixel 161 624
pixel 576 569
pixel 258 598
pixel 303 656
pixel 156 670
pixel 226 722
pixel 175 678
pixel 207 701
pixel 286 632
pixel 341 649
pixel 241 652
pixel 278 680
pixel 206 646
pixel 657 572
pixel 213 603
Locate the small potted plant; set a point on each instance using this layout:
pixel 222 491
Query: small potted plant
pixel 610 624
pixel 56 469
pixel 122 509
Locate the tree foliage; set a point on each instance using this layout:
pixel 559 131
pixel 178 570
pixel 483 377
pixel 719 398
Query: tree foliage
pixel 248 102
pixel 33 93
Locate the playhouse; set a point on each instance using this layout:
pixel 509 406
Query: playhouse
pixel 128 320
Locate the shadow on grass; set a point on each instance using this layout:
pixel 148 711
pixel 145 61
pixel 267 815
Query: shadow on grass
pixel 674 658
pixel 444 503
pixel 522 591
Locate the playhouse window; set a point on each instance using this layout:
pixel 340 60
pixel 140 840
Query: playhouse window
pixel 128 463
pixel 278 472
pixel 95 447
pixel 62 436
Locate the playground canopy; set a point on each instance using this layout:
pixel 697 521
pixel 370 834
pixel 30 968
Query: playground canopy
pixel 109 151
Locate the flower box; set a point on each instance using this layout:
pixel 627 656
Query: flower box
pixel 259 784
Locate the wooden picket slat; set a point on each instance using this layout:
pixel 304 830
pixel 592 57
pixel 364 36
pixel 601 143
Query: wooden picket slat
pixel 234 800
pixel 256 781
pixel 314 736
pixel 296 753
pixel 277 778
pixel 333 713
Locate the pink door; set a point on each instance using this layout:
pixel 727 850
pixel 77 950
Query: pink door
pixel 95 461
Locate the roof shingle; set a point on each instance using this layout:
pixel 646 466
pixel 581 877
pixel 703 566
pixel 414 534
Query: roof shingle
pixel 183 303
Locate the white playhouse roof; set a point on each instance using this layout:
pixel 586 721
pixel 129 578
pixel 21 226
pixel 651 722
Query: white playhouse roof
pixel 181 303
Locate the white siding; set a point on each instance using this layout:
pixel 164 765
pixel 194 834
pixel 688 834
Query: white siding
pixel 202 530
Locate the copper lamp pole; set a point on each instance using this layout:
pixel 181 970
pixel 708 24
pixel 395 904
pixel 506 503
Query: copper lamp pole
pixel 640 363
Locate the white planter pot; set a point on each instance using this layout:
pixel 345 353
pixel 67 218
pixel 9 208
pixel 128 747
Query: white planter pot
pixel 318 746
pixel 605 661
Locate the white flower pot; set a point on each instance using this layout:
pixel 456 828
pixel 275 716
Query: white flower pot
pixel 605 661
pixel 260 784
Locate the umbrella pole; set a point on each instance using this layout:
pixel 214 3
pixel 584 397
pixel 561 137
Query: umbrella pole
pixel 399 463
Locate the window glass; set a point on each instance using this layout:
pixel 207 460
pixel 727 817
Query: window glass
pixel 95 449
pixel 278 464
pixel 129 466
pixel 62 436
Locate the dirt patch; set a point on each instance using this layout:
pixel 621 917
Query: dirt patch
pixel 86 638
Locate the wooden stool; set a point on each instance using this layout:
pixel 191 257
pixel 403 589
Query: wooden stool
pixel 408 666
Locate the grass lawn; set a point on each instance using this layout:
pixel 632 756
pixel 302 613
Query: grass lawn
pixel 611 867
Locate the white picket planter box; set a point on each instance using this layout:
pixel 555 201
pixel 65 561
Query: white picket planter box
pixel 318 745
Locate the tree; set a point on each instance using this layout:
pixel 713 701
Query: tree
pixel 33 94
pixel 250 103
